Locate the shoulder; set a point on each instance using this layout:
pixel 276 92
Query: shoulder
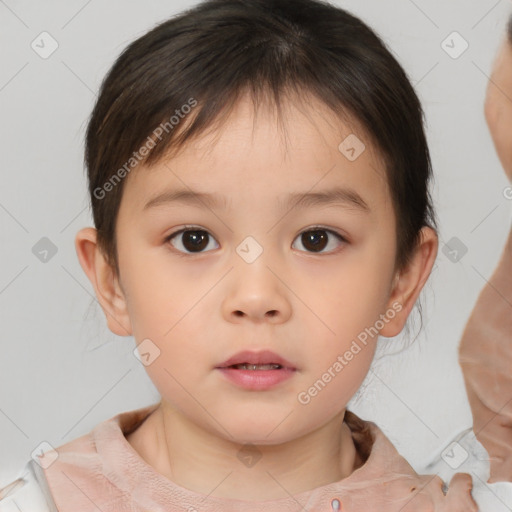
pixel 463 453
pixel 26 491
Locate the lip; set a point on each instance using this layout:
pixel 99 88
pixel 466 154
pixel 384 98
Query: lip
pixel 260 357
pixel 256 380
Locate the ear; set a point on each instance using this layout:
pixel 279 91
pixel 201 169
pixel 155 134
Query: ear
pixel 105 282
pixel 409 282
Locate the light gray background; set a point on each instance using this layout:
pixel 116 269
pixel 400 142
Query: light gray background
pixel 62 371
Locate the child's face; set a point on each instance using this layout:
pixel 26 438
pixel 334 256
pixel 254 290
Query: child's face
pixel 200 308
pixel 498 106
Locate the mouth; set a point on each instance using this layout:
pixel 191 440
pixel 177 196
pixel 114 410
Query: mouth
pixel 247 366
pixel 257 371
pixel 257 361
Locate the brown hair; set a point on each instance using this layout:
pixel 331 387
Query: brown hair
pixel 215 51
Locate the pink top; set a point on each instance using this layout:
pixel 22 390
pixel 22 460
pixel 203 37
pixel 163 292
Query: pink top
pixel 102 471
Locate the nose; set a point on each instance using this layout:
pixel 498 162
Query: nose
pixel 256 292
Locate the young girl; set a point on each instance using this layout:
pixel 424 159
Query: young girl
pixel 259 180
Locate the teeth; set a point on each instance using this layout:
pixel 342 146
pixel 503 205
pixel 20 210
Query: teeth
pixel 256 366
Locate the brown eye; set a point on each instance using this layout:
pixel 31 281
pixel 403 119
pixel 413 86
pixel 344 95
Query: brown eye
pixel 190 240
pixel 314 240
pixel 317 239
pixel 195 241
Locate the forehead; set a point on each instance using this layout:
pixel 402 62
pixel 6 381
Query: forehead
pixel 257 152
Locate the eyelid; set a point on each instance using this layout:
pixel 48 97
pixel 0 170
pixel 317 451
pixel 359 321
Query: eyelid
pixel 185 228
pixel 325 228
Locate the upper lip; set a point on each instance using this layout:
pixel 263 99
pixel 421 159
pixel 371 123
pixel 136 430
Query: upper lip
pixel 261 357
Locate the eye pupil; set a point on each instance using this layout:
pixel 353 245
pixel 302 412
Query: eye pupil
pixel 197 239
pixel 318 239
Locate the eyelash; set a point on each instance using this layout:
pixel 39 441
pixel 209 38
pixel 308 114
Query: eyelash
pixel 197 228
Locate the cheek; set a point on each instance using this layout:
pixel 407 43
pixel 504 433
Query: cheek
pixel 169 305
pixel 351 306
pixel 359 290
pixel 159 293
pixel 503 141
pixel 335 373
pixel 181 353
pixel 498 114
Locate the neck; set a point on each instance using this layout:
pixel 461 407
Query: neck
pixel 203 462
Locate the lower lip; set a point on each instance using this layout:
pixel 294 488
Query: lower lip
pixel 257 380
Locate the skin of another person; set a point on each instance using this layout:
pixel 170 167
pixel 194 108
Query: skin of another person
pixel 485 351
pixel 498 105
pixel 307 306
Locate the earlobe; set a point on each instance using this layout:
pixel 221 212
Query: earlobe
pixel 105 282
pixel 409 282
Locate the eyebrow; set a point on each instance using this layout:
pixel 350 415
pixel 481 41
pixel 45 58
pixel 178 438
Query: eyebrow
pixel 344 197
